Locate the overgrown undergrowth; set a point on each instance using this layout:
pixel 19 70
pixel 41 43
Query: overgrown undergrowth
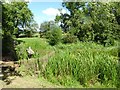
pixel 83 63
pixel 87 64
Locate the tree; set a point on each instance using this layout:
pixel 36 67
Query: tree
pixel 16 16
pixel 115 9
pixel 90 21
pixel 46 26
pixel 34 26
pixel 31 29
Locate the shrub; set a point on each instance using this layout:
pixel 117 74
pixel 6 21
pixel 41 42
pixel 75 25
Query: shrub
pixel 69 38
pixel 21 51
pixel 54 35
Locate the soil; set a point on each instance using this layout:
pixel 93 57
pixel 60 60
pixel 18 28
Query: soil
pixel 27 82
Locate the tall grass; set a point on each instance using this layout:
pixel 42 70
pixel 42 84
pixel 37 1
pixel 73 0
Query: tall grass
pixel 76 64
pixel 86 63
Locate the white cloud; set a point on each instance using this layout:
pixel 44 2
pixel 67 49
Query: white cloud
pixel 52 11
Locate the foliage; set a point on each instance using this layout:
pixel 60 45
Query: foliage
pixel 86 63
pixel 69 38
pixel 31 29
pixel 46 27
pixel 91 21
pixel 39 46
pixel 16 16
pixel 81 63
pixel 54 35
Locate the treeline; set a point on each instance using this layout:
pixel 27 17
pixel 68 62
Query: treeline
pixel 92 21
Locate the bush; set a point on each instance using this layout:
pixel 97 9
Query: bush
pixel 54 35
pixel 69 38
pixel 21 51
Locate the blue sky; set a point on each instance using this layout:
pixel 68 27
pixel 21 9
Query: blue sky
pixel 45 11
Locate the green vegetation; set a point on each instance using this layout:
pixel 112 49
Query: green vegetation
pixel 92 21
pixel 76 65
pixel 69 38
pixel 55 35
pixel 82 52
pixel 83 63
pixel 17 20
pixel 39 46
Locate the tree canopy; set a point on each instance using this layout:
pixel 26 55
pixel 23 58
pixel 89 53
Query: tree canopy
pixel 92 21
pixel 16 16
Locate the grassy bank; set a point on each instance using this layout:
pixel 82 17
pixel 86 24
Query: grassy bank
pixel 38 45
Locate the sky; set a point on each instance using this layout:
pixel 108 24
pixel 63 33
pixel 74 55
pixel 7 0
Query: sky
pixel 45 11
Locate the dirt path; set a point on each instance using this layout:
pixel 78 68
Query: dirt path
pixel 28 82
